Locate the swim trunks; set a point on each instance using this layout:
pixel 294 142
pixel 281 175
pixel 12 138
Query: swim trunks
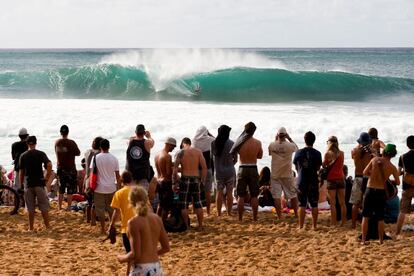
pixel 190 191
pixel 68 181
pixel 166 195
pixel 148 269
pixel 308 194
pixel 33 195
pixel 406 197
pixel 374 203
pixel 247 176
pixel 284 184
pixel 358 189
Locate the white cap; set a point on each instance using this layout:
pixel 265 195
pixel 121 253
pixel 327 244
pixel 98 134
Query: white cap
pixel 282 130
pixel 23 131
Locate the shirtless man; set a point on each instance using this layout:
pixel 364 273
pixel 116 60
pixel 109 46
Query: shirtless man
pixel 362 155
pixel 190 183
pixel 164 166
pixel 145 231
pixel 378 170
pixel 248 176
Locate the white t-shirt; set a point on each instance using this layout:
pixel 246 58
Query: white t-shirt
pixel 107 165
pixel 281 153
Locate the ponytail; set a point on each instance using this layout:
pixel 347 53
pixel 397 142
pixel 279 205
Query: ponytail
pixel 138 199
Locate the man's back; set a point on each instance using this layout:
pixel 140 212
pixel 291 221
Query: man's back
pixel 163 165
pixel 250 151
pixel 407 162
pixel 66 151
pixel 308 161
pixel 107 165
pixel 281 152
pixel 32 162
pixel 381 169
pixel 190 161
pixel 17 149
pixel 361 159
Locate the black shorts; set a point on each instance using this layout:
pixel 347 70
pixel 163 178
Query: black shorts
pixel 166 195
pixel 190 192
pixel 68 181
pixel 309 194
pixel 247 176
pixel 374 203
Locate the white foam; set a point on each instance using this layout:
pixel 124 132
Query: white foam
pixel 166 65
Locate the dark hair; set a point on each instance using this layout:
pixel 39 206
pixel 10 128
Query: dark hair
pixel 185 140
pixel 309 138
pixel 410 142
pixel 104 144
pixel 23 137
pixel 250 128
pixel 264 176
pixel 126 177
pixel 96 143
pixel 64 130
pixel 373 133
pixel 140 129
pixel 222 137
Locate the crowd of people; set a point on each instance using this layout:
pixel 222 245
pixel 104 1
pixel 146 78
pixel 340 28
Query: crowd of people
pixel 148 201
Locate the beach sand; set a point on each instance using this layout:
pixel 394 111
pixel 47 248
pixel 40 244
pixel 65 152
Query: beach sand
pixel 224 247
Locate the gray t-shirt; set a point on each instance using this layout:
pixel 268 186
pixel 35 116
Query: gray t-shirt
pixel 224 164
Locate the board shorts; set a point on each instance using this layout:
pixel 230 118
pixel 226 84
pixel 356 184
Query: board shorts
pixel 358 188
pixel 166 195
pixel 247 177
pixel 68 181
pixel 31 194
pixel 102 204
pixel 227 184
pixel 190 192
pixel 148 269
pixel 308 194
pixel 285 185
pixel 406 197
pixel 374 203
pixel 336 184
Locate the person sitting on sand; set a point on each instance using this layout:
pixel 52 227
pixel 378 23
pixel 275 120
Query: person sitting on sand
pixel 32 177
pixel 376 145
pixel 265 197
pixel 145 230
pixel 362 155
pixel 281 151
pixel 190 183
pixel 334 160
pixel 378 170
pixel 308 161
pixel 406 168
pixel 122 208
pixel 164 166
pixel 225 173
pixel 249 150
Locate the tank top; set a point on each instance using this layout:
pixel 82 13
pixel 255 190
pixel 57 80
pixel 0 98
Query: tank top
pixel 337 170
pixel 138 163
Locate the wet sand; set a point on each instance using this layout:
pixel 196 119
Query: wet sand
pixel 224 247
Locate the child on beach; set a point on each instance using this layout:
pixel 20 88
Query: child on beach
pixel 145 230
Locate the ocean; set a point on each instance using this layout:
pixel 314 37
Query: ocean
pixel 108 92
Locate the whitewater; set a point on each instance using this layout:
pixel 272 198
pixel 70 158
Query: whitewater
pixel 338 92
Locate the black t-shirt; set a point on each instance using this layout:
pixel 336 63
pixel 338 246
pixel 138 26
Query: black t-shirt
pixel 408 159
pixel 16 150
pixel 308 162
pixel 138 163
pixel 31 161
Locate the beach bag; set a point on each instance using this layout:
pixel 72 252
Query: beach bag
pixel 408 178
pixel 323 173
pixel 93 177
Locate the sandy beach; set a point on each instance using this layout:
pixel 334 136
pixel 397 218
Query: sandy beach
pixel 224 247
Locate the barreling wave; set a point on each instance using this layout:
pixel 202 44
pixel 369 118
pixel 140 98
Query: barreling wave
pixel 240 84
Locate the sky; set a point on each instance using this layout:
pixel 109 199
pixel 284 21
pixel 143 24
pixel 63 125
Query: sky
pixel 205 23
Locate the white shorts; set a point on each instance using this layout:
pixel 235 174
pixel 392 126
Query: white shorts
pixel 148 269
pixel 285 185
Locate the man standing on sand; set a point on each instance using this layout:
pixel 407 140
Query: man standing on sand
pixel 137 156
pixel 362 155
pixel 17 149
pixel 378 170
pixel 32 177
pixel 164 166
pixel 190 183
pixel 108 182
pixel 308 161
pixel 282 175
pixel 249 149
pixel 406 168
pixel 66 151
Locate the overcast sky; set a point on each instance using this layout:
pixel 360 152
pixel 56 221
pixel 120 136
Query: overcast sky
pixel 205 23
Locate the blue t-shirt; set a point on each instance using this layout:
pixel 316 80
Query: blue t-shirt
pixel 308 162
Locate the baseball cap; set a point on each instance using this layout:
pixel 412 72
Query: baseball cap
pixel 390 149
pixel 31 140
pixel 64 129
pixel 171 141
pixel 140 129
pixel 23 131
pixel 282 131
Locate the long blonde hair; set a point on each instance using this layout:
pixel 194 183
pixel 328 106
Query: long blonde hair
pixel 138 199
pixel 333 146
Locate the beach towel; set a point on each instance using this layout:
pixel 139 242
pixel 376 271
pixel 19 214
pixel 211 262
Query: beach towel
pixel 202 139
pixel 248 132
